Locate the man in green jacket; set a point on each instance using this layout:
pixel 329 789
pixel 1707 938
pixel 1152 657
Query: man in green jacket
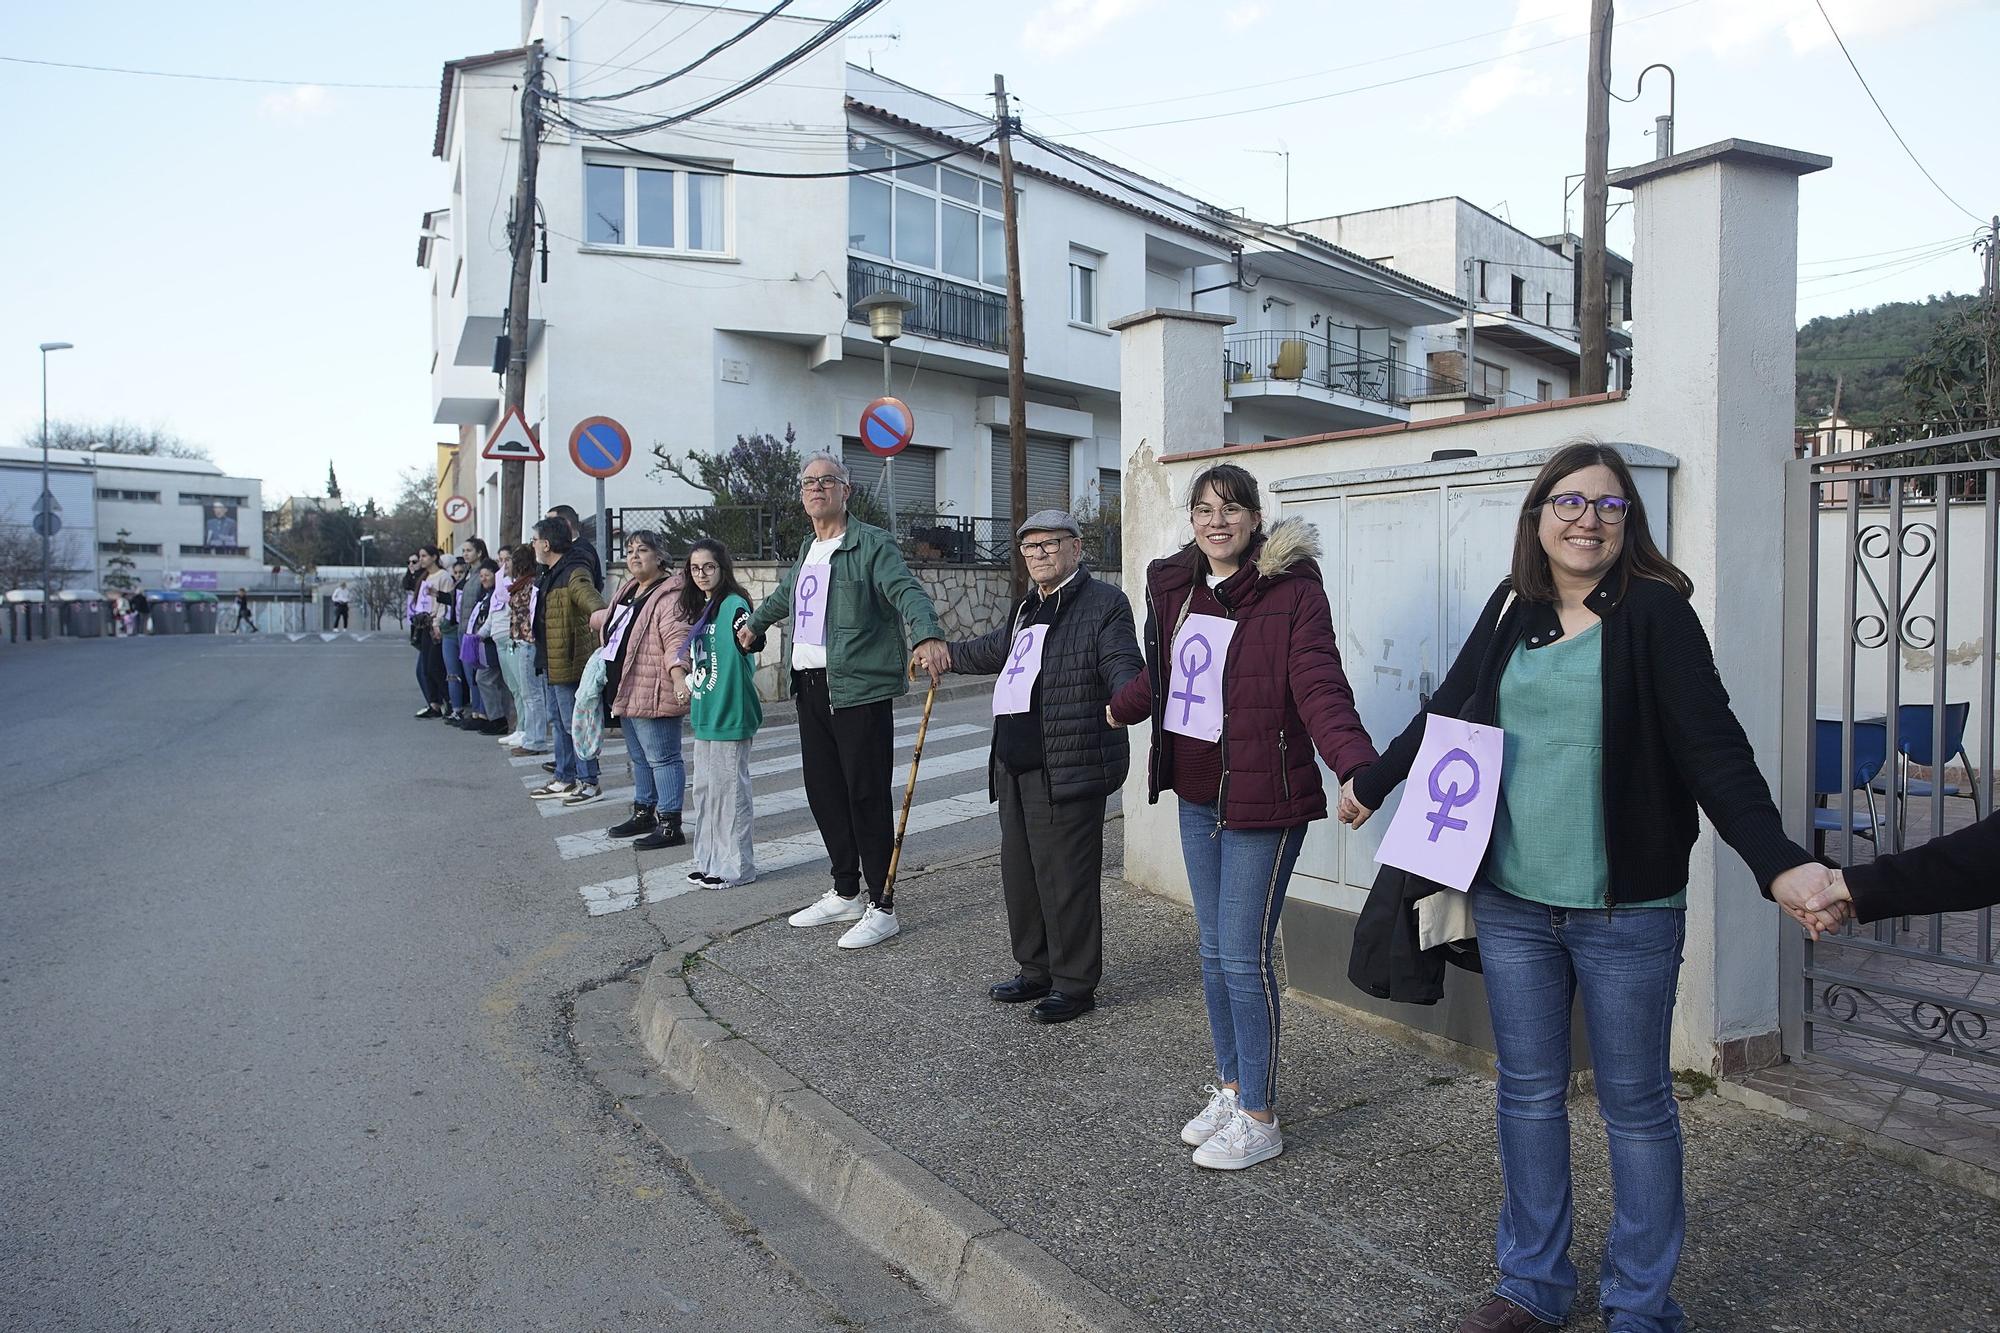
pixel 847 597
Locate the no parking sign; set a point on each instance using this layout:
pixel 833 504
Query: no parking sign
pixel 886 426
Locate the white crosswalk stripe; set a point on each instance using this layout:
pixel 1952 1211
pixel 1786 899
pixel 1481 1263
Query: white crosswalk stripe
pixel 778 737
pixel 660 883
pixel 576 846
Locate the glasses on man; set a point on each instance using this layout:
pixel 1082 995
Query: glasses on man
pixel 825 483
pixel 1048 546
pixel 1207 513
pixel 1569 507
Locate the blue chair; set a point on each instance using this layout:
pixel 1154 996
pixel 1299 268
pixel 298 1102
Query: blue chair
pixel 1871 751
pixel 1913 747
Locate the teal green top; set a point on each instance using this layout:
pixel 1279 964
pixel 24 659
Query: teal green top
pixel 1548 834
pixel 723 678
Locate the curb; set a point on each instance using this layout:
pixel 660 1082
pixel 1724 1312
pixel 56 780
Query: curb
pixel 958 1253
pixel 1968 1176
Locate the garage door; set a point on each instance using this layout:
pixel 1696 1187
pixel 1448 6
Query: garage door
pixel 1048 474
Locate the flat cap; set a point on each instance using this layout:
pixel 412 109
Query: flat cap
pixel 1049 520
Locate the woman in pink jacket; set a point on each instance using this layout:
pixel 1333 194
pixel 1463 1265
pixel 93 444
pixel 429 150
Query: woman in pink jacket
pixel 645 641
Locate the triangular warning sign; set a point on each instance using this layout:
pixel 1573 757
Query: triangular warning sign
pixel 513 441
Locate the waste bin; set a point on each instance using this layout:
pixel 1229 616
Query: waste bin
pixel 168 617
pixel 24 614
pixel 82 611
pixel 201 614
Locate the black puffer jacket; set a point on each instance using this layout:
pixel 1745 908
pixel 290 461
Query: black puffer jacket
pixel 1091 652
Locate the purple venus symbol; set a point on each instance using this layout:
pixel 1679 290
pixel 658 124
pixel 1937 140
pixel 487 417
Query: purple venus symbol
pixel 808 587
pixel 1021 647
pixel 1450 798
pixel 1190 671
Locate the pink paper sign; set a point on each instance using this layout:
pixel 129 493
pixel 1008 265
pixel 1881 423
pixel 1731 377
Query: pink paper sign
pixel 1015 685
pixel 809 598
pixel 1445 818
pixel 1194 677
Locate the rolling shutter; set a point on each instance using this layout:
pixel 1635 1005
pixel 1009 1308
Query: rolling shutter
pixel 1048 474
pixel 915 475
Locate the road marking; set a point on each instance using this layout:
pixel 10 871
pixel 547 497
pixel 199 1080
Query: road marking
pixel 661 883
pixel 776 737
pixel 576 846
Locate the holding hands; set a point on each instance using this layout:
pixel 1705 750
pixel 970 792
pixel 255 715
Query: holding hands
pixel 1813 896
pixel 744 638
pixel 1351 812
pixel 931 656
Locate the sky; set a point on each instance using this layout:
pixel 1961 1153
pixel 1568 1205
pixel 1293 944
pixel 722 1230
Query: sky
pixel 236 261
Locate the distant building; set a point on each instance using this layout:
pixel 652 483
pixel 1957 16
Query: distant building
pixel 189 525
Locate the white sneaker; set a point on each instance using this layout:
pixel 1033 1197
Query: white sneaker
pixel 1221 1106
pixel 512 738
pixel 553 789
pixel 584 793
pixel 1243 1141
pixel 875 926
pixel 829 908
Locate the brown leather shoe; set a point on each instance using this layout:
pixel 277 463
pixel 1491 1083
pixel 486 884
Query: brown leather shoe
pixel 1501 1315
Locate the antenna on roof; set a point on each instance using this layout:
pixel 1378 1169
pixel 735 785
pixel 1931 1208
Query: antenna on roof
pixel 883 37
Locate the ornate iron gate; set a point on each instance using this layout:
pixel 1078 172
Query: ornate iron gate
pixel 1890 587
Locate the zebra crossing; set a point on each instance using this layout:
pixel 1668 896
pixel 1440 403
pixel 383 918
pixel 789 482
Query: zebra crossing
pixel 951 792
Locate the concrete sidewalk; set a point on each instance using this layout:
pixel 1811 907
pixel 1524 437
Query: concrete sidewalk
pixel 1379 1215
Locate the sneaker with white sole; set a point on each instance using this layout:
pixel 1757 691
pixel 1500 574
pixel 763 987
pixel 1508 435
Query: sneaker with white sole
pixel 512 738
pixel 1243 1141
pixel 584 793
pixel 695 877
pixel 1221 1106
pixel 552 790
pixel 874 926
pixel 829 908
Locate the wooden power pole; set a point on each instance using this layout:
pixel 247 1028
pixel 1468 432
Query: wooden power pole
pixel 513 472
pixel 1017 371
pixel 1596 198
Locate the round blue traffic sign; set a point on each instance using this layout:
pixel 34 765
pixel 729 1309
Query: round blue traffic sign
pixel 600 446
pixel 886 426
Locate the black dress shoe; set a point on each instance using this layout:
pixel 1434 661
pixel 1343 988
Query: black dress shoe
pixel 1018 990
pixel 1061 1008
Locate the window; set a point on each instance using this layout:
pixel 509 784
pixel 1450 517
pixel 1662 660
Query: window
pixel 1482 280
pixel 1517 299
pixel 1544 391
pixel 1548 310
pixel 129 497
pixel 1491 380
pixel 654 208
pixel 928 217
pixel 189 498
pixel 1083 285
pixel 213 550
pixel 131 548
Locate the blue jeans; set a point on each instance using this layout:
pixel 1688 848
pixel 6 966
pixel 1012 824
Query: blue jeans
pixel 1626 963
pixel 659 777
pixel 1237 878
pixel 570 767
pixel 454 674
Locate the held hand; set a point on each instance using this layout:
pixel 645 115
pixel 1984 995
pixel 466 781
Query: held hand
pixel 598 617
pixel 1352 813
pixel 1111 721
pixel 1795 890
pixel 932 657
pixel 744 638
pixel 1834 896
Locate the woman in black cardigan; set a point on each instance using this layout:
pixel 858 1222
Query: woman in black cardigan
pixel 1617 727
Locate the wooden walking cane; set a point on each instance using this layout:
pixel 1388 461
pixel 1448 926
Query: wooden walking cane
pixel 903 823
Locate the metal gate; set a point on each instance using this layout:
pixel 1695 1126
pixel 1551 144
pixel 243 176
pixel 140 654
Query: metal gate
pixel 1889 740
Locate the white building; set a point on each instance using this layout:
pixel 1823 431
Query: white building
pixel 692 300
pixel 188 524
pixel 1524 289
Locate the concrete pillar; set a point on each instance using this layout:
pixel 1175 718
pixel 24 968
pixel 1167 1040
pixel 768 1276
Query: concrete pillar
pixel 1715 328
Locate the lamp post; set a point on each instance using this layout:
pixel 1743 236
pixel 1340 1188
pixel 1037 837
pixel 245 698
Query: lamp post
pixel 46 509
pixel 884 312
pixel 364 539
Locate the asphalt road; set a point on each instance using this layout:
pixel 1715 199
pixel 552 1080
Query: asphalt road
pixel 284 984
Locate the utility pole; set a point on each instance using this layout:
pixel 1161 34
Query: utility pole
pixel 521 243
pixel 1989 294
pixel 1471 330
pixel 1596 195
pixel 1017 372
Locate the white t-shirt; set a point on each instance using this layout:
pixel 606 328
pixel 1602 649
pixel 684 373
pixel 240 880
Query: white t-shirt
pixel 812 656
pixel 340 594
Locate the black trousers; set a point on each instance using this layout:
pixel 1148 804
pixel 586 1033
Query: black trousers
pixel 430 672
pixel 340 615
pixel 1051 874
pixel 846 756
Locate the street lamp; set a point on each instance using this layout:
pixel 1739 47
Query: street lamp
pixel 364 539
pixel 46 507
pixel 884 312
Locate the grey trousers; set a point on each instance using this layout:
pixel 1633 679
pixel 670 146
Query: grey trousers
pixel 492 692
pixel 1051 874
pixel 723 819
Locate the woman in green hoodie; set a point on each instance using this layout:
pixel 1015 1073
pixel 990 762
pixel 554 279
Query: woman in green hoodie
pixel 725 715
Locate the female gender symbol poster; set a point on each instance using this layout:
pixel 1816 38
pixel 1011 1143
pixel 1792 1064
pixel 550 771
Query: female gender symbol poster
pixel 1014 687
pixel 1445 819
pixel 1194 677
pixel 809 596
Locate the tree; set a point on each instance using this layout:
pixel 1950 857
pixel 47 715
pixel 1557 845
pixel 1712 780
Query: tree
pixel 21 556
pixel 756 491
pixel 379 592
pixel 113 437
pixel 332 482
pixel 118 575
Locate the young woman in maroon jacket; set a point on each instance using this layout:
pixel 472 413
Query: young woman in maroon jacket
pixel 1242 682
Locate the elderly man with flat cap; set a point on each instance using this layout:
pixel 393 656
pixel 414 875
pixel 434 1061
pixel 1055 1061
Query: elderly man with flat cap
pixel 1061 654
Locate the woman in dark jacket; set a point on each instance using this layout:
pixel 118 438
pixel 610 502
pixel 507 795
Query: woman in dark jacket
pixel 1593 663
pixel 1959 872
pixel 1238 627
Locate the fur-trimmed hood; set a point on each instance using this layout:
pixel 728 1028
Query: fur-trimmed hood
pixel 1289 550
pixel 1291 541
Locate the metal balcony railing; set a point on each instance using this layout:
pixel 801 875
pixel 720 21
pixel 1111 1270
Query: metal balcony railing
pixel 1324 361
pixel 951 311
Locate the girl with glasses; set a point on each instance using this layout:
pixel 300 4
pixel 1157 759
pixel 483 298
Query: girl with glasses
pixel 725 717
pixel 1593 663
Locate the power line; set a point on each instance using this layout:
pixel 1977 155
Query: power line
pixel 605 69
pixel 1936 252
pixel 213 78
pixel 1890 123
pixel 1876 254
pixel 699 60
pixel 1385 83
pixel 696 164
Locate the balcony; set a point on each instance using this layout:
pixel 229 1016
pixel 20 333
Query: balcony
pixel 949 311
pixel 1356 386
